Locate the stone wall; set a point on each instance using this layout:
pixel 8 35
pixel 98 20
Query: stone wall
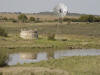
pixel 28 34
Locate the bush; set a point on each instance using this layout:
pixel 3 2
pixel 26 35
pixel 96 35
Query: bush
pixel 0 17
pixel 70 19
pixel 3 58
pixel 75 20
pixel 3 32
pixel 32 19
pixel 5 18
pixel 83 18
pixel 87 18
pixel 51 36
pixel 97 19
pixel 22 18
pixel 37 20
pixel 91 18
pixel 66 19
pixel 1 73
pixel 13 20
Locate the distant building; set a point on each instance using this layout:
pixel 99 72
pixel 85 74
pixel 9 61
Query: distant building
pixel 29 34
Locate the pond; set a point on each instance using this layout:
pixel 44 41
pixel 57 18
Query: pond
pixel 30 57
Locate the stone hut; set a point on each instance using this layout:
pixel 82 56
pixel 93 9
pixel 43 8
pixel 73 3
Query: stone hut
pixel 29 34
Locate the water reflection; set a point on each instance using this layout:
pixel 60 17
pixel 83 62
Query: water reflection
pixel 28 55
pixel 76 52
pixel 24 58
pixel 39 56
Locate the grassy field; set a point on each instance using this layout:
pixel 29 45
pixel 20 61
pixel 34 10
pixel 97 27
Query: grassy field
pixel 88 29
pixel 74 35
pixel 78 65
pixel 68 36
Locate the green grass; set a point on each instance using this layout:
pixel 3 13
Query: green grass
pixel 33 73
pixel 61 42
pixel 1 73
pixel 3 58
pixel 76 65
pixel 88 29
pixel 73 36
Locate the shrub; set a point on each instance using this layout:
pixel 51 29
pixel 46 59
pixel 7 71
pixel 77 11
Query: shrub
pixel 32 19
pixel 0 17
pixel 75 20
pixel 87 18
pixel 91 18
pixel 1 73
pixel 5 18
pixel 37 20
pixel 3 32
pixel 3 58
pixel 97 19
pixel 51 36
pixel 13 20
pixel 22 18
pixel 70 19
pixel 66 19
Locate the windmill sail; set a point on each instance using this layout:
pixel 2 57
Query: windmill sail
pixel 61 10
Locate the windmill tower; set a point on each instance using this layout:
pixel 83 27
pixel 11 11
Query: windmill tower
pixel 60 10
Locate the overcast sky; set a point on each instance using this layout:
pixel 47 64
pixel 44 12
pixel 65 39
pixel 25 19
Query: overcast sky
pixel 31 6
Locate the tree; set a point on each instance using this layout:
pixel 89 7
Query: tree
pixel 83 18
pixel 87 18
pixel 5 18
pixel 97 19
pixel 3 58
pixel 3 32
pixel 12 20
pixel 91 18
pixel 22 18
pixel 32 19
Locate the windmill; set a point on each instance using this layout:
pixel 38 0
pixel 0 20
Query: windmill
pixel 60 10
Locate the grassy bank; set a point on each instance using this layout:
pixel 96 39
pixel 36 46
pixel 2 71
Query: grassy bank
pixel 61 42
pixel 31 71
pixel 78 65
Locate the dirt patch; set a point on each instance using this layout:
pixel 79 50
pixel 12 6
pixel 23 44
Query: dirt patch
pixel 31 71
